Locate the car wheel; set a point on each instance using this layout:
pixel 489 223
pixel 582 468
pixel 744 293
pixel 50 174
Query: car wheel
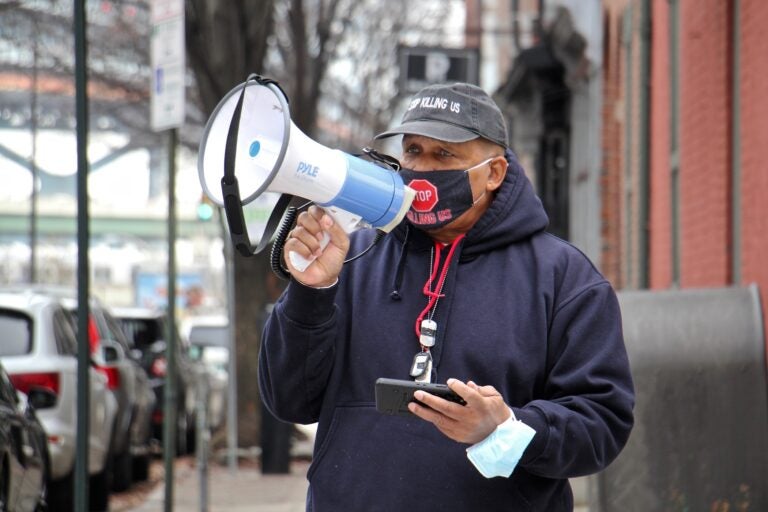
pixel 42 500
pixel 181 435
pixel 4 489
pixel 123 471
pixel 61 493
pixel 100 485
pixel 191 435
pixel 141 468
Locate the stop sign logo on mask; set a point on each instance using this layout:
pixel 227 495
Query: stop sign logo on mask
pixel 426 195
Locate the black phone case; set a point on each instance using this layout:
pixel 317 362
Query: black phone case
pixel 394 395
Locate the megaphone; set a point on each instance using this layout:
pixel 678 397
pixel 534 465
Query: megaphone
pixel 251 149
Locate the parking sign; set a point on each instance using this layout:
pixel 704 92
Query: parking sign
pixel 168 59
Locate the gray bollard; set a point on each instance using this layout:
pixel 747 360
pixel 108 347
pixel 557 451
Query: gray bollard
pixel 203 438
pixel 275 435
pixel 275 444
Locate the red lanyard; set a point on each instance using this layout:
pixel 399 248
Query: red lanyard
pixel 435 295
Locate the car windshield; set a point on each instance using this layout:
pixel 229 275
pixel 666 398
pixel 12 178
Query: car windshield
pixel 15 333
pixel 209 335
pixel 143 332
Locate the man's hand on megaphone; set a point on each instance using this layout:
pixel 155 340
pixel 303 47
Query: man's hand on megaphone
pixel 305 240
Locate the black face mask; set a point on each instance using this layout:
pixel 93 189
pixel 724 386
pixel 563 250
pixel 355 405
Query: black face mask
pixel 441 196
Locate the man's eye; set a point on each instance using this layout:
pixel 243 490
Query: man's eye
pixel 444 154
pixel 412 150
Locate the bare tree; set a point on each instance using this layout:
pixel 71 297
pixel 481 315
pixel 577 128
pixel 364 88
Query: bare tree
pixel 339 65
pixel 226 41
pixel 297 42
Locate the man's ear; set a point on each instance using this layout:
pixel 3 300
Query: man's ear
pixel 498 173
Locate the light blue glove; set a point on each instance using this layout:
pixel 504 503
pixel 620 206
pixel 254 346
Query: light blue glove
pixel 499 453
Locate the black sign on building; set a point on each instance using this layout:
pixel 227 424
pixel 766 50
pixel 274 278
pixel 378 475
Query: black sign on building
pixel 426 65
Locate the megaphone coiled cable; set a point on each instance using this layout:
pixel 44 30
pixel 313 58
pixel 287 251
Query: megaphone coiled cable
pixel 276 255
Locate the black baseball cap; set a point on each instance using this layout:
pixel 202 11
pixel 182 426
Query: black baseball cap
pixel 453 113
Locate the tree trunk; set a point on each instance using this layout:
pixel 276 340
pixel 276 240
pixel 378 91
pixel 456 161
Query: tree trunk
pixel 225 43
pixel 250 312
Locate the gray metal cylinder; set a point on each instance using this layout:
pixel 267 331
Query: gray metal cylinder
pixel 700 440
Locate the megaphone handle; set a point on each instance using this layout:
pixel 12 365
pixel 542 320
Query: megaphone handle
pixel 301 263
pixel 348 221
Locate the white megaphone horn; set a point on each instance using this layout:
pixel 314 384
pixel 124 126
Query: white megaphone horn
pixel 250 148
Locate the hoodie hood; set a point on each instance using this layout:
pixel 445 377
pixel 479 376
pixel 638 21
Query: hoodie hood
pixel 515 214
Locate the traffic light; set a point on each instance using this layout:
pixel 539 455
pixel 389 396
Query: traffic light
pixel 205 209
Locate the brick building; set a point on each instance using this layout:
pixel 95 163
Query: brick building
pixel 684 197
pixel 681 194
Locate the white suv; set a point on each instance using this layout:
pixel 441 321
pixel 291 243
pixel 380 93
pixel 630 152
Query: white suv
pixel 39 351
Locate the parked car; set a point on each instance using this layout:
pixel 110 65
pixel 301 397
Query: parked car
pixel 23 452
pixel 208 339
pixel 38 349
pixel 131 439
pixel 147 330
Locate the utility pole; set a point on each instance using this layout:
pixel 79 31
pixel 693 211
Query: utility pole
pixel 167 110
pixel 83 270
pixel 33 162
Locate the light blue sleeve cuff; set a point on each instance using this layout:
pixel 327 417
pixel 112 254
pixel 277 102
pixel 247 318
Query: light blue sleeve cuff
pixel 499 453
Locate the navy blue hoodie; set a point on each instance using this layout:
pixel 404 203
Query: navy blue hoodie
pixel 522 311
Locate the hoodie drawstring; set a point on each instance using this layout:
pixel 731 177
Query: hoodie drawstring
pixel 395 295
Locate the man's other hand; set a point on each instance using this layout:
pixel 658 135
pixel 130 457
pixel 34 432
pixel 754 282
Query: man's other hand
pixel 470 423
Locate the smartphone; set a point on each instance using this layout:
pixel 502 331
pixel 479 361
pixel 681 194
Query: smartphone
pixel 394 395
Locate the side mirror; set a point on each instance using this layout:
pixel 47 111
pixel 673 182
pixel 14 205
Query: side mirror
pixel 111 352
pixel 158 347
pixel 41 398
pixel 21 400
pixel 195 352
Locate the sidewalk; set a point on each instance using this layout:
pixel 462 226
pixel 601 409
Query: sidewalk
pixel 248 490
pixel 244 490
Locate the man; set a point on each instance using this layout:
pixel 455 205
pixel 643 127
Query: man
pixel 518 322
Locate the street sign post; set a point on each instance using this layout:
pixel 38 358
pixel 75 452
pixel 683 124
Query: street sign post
pixel 426 65
pixel 168 60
